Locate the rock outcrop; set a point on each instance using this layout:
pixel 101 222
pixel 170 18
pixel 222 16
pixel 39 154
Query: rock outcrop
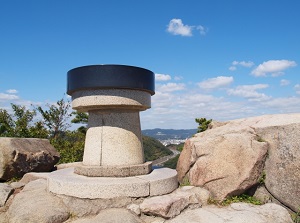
pixel 35 204
pixel 235 213
pixel 283 164
pixel 229 159
pixel 22 155
pixel 226 161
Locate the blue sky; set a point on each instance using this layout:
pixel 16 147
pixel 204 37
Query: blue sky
pixel 212 58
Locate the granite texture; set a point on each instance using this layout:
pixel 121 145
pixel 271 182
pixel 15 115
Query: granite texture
pixel 66 182
pixel 113 171
pixel 113 138
pixel 162 181
pixel 111 98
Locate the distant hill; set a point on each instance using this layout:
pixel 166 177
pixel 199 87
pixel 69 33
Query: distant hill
pixel 164 134
pixel 153 149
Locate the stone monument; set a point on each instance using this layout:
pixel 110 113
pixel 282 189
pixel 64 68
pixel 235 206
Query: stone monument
pixel 113 162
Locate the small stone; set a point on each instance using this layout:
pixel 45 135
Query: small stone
pixel 170 205
pixel 134 208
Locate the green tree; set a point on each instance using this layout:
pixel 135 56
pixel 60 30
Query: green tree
pixel 20 123
pixel 172 163
pixel 23 118
pixel 56 117
pixel 203 124
pixel 81 118
pixel 38 130
pixel 70 145
pixel 6 123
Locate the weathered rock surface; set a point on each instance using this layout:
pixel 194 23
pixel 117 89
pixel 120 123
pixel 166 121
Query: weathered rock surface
pixel 235 213
pixel 34 204
pixel 85 207
pixel 5 191
pixel 283 164
pixel 114 215
pixel 282 167
pixel 228 159
pixel 33 176
pixel 22 155
pixel 170 205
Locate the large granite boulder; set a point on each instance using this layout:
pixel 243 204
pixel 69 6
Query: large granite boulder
pixel 228 159
pixel 282 167
pixel 22 155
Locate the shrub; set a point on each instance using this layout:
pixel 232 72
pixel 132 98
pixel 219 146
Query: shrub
pixel 241 198
pixel 70 145
pixel 203 124
pixel 172 163
pixel 235 199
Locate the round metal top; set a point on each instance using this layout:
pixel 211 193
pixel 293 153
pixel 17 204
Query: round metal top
pixel 110 76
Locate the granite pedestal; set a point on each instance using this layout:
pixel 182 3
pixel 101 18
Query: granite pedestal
pixel 113 160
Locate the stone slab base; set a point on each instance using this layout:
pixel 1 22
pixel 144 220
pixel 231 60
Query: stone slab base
pixel 113 171
pixel 158 182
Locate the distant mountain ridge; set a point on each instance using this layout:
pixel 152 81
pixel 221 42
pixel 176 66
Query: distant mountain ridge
pixel 165 134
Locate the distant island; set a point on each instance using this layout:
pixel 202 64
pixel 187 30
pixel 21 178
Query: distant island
pixel 170 136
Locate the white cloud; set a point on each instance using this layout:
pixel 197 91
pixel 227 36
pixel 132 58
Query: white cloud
pixel 179 109
pixel 12 91
pixel 250 92
pixel 176 27
pixel 275 67
pixel 202 30
pixel 7 97
pixel 232 68
pixel 283 105
pixel 240 63
pixel 216 82
pixel 246 64
pixel 170 87
pixel 284 82
pixel 297 88
pixel 178 78
pixel 162 77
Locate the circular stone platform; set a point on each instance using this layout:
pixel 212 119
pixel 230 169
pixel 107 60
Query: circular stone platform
pixel 158 182
pixel 113 171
